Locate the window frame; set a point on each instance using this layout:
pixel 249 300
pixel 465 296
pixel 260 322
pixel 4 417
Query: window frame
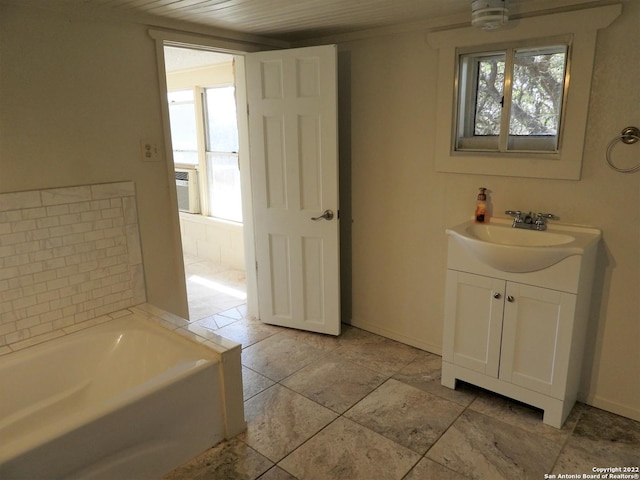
pixel 202 167
pixel 465 100
pixel 581 26
pixel 210 154
pixel 193 102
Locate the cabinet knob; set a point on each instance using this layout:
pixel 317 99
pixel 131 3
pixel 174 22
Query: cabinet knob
pixel 496 295
pixel 510 299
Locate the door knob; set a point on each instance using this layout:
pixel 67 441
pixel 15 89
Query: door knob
pixel 510 299
pixel 496 295
pixel 326 215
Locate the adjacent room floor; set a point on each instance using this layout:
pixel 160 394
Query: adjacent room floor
pixel 361 406
pixel 212 288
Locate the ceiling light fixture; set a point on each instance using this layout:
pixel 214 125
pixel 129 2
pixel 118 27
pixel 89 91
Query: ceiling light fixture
pixel 489 14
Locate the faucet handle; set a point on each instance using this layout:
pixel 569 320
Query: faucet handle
pixel 541 216
pixel 517 214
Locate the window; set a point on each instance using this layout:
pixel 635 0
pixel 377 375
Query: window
pixel 184 137
pixel 204 134
pixel 507 151
pixel 510 100
pixel 222 153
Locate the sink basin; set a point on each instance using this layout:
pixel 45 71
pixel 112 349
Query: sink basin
pixel 506 235
pixel 509 249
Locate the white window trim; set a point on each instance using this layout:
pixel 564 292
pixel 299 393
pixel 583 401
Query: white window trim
pixel 582 26
pixel 465 141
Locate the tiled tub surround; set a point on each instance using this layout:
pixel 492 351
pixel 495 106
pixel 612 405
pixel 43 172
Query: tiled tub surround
pixel 67 255
pixel 112 415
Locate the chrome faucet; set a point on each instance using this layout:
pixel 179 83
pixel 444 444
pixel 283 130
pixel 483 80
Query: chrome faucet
pixel 530 221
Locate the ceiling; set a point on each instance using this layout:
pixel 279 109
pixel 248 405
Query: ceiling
pixel 294 20
pixel 177 59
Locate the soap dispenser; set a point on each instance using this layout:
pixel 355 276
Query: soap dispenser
pixel 481 207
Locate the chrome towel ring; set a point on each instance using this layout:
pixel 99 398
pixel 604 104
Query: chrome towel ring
pixel 629 136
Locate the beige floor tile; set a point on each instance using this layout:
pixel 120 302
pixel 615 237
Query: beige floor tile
pixel 424 372
pixel 348 451
pixel 335 383
pixel 212 288
pixel 207 322
pixel 481 447
pixel 253 383
pixel 317 340
pixel 375 352
pixel 230 460
pixel 236 313
pixel 247 332
pixel 276 473
pixel 523 416
pixel 278 356
pixel 280 420
pixel 427 469
pixel 406 415
pixel 600 439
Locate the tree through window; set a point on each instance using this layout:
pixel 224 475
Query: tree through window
pixel 511 99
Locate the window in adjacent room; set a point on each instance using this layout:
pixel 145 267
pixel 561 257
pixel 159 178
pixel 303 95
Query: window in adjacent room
pixel 511 99
pixel 207 116
pixel 221 135
pixel 184 137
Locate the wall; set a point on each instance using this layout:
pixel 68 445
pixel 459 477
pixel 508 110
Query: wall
pixel 67 256
pixel 216 240
pixel 401 205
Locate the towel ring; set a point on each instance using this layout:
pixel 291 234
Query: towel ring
pixel 628 136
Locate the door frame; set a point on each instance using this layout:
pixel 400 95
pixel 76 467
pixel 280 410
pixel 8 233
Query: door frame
pixel 238 49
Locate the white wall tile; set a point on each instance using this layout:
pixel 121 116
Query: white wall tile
pixel 111 190
pixel 66 255
pixel 19 200
pixel 58 196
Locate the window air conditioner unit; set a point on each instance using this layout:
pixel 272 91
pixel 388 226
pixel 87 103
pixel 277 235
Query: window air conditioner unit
pixel 187 188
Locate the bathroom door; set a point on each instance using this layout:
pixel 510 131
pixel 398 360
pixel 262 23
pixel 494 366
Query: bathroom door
pixel 292 97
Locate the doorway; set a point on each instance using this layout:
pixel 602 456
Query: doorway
pixel 205 139
pixel 293 169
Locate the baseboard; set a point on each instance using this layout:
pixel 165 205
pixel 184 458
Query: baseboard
pixel 610 406
pixel 412 341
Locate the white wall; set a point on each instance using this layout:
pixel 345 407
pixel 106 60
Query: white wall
pixel 401 205
pixel 209 238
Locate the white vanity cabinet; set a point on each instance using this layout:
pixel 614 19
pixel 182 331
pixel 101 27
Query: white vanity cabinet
pixel 518 334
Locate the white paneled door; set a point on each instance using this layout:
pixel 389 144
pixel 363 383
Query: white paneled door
pixel 292 96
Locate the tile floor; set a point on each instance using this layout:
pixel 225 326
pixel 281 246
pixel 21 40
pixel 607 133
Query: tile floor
pixel 212 288
pixel 360 406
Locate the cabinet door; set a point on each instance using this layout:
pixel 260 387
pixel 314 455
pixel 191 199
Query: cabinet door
pixel 536 336
pixel 473 321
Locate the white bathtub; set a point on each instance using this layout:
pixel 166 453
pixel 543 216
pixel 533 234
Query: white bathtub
pixel 127 399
